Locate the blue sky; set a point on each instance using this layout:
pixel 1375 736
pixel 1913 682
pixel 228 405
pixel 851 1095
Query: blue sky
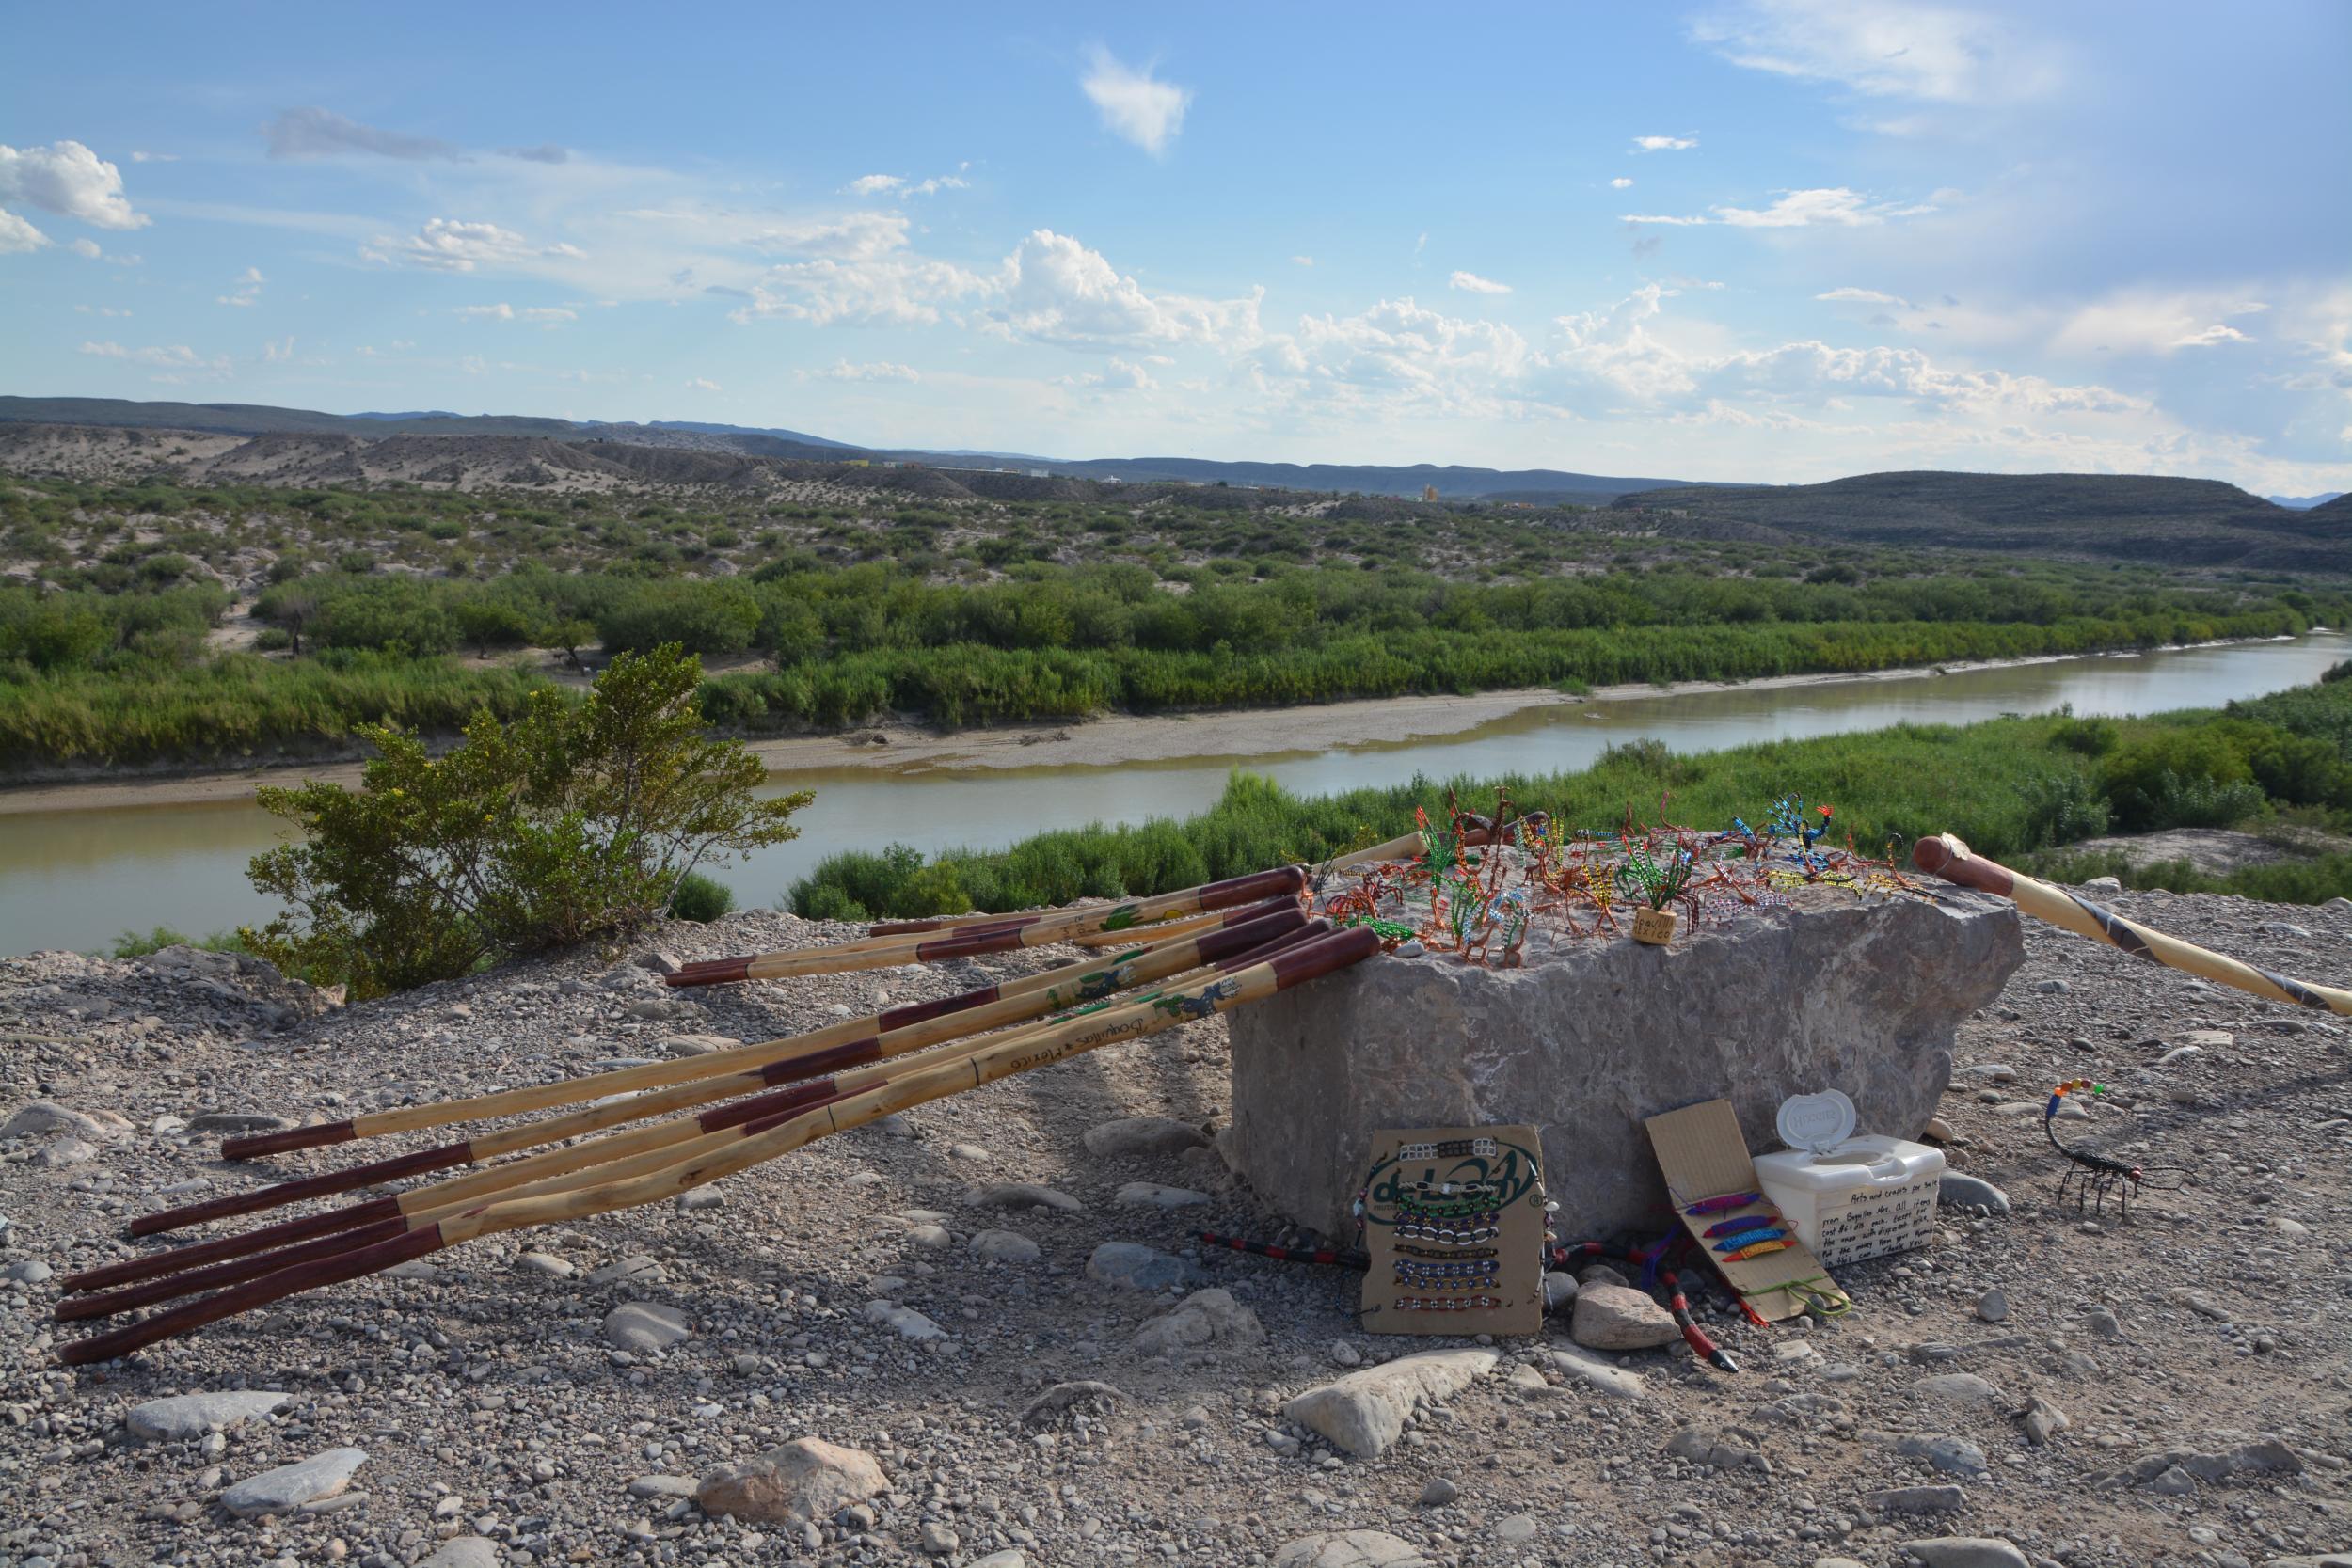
pixel 1772 240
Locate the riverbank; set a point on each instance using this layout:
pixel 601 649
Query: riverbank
pixel 1112 741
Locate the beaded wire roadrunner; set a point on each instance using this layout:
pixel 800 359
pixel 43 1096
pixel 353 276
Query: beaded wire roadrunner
pixel 1536 880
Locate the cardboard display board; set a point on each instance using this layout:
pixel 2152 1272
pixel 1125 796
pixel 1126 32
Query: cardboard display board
pixel 1702 1154
pixel 1433 1269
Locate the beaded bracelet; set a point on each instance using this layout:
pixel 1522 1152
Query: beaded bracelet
pixel 1465 1189
pixel 1474 1209
pixel 1411 1231
pixel 1445 1304
pixel 1409 1273
pixel 1446 1253
pixel 1452 1149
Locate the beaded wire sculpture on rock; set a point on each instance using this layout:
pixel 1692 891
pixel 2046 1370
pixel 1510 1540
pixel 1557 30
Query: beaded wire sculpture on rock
pixel 1491 890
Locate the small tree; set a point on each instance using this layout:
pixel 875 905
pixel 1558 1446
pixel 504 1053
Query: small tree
pixel 573 824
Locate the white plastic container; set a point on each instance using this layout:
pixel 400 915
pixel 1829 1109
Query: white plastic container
pixel 1850 1197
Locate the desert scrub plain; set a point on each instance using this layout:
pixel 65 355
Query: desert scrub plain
pixel 152 622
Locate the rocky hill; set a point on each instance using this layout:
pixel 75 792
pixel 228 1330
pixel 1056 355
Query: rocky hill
pixel 2194 522
pixel 1546 486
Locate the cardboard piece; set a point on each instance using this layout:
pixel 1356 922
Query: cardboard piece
pixel 1516 1250
pixel 1702 1154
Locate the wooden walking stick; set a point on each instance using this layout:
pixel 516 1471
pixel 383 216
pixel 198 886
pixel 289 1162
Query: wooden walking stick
pixel 1015 932
pixel 757 1141
pixel 598 1159
pixel 1948 858
pixel 850 1033
pixel 779 1062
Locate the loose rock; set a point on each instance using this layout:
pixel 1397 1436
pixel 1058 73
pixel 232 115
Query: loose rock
pixel 188 1416
pixel 645 1326
pixel 1365 1411
pixel 288 1486
pixel 1135 1267
pixel 802 1481
pixel 1142 1135
pixel 1616 1317
pixel 1206 1321
pixel 1353 1548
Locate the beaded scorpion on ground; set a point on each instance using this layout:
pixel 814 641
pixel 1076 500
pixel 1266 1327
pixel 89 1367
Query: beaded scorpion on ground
pixel 2090 1177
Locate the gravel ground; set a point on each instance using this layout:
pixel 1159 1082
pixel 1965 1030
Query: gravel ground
pixel 2197 1362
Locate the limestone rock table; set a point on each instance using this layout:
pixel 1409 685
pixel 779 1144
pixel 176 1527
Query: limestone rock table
pixel 1592 1036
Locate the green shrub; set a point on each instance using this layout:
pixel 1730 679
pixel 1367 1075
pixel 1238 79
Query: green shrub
pixel 700 898
pixel 2179 778
pixel 573 824
pixel 133 944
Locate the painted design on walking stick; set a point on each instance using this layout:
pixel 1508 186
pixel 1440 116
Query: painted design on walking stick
pixel 1200 1003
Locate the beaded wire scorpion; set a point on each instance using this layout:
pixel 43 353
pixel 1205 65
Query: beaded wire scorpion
pixel 2090 1177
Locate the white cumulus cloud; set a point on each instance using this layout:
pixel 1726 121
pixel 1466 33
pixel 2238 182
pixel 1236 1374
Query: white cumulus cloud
pixel 248 288
pixel 899 184
pixel 1134 105
pixel 68 179
pixel 1054 290
pixel 1664 144
pixel 1470 282
pixel 450 244
pixel 1621 182
pixel 703 384
pixel 18 236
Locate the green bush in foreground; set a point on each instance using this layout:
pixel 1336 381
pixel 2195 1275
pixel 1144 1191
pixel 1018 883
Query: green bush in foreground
pixel 575 823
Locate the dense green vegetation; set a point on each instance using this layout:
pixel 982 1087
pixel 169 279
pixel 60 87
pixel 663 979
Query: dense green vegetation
pixel 417 607
pixel 2015 789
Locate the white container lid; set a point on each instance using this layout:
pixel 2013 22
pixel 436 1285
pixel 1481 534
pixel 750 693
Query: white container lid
pixel 1815 1122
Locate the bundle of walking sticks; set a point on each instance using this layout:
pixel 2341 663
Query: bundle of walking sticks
pixel 1203 951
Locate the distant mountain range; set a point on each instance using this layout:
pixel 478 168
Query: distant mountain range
pixel 2145 518
pixel 2303 502
pixel 1542 486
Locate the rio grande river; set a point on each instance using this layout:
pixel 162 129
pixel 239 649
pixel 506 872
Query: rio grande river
pixel 78 878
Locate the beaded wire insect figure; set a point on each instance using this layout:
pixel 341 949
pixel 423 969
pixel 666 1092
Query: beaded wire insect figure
pixel 2092 1177
pixel 1788 820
